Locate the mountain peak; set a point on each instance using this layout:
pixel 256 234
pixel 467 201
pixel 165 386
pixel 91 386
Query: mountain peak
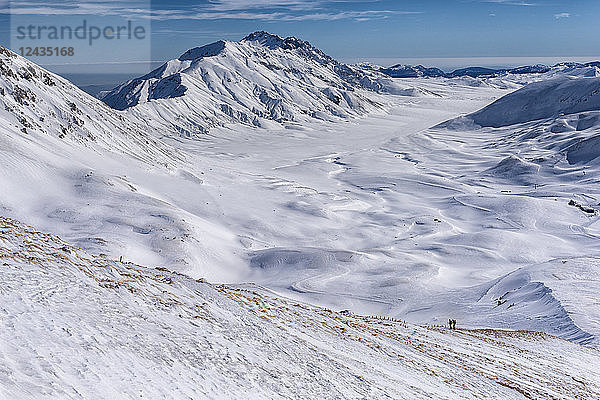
pixel 265 38
pixel 209 50
pixel 274 42
pixel 261 80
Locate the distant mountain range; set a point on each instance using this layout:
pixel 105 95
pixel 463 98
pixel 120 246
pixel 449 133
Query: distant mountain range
pixel 266 80
pixel 418 71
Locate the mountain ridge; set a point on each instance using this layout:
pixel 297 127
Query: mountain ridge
pixel 410 71
pixel 263 80
pixel 40 104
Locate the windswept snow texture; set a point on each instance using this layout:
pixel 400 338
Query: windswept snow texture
pixel 105 182
pixel 585 150
pixel 77 326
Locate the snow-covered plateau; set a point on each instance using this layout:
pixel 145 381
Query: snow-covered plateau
pixel 258 220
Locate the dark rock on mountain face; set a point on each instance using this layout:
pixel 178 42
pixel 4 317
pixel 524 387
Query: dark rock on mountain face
pixel 302 47
pixel 418 71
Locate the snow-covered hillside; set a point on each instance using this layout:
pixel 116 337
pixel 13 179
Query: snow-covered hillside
pixel 541 100
pixel 562 114
pixel 262 81
pixel 105 181
pixel 539 147
pixel 77 326
pixel 490 218
pixel 48 109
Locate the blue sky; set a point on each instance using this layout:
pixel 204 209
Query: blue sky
pixel 376 30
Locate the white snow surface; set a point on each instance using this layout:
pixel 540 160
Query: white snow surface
pixel 78 326
pixel 389 211
pixel 38 103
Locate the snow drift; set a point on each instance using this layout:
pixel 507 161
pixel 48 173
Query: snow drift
pixel 584 151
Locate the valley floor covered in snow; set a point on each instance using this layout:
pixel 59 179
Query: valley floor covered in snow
pixel 311 258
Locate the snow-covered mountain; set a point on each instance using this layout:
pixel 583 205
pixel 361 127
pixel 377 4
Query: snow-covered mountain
pixel 561 113
pixel 542 100
pixel 76 167
pixel 568 68
pixel 260 81
pixel 491 218
pixel 473 72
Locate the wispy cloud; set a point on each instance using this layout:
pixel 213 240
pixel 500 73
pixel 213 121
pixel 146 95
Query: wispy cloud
pixel 282 16
pixel 71 7
pixel 238 5
pixel 291 5
pixel 562 15
pixel 512 2
pixel 265 10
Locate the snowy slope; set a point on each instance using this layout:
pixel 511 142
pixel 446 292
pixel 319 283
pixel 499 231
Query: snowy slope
pixel 531 160
pixel 44 106
pixel 560 278
pixel 562 114
pixel 101 179
pixel 385 217
pixel 379 215
pixel 262 81
pixel 74 326
pixel 542 100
